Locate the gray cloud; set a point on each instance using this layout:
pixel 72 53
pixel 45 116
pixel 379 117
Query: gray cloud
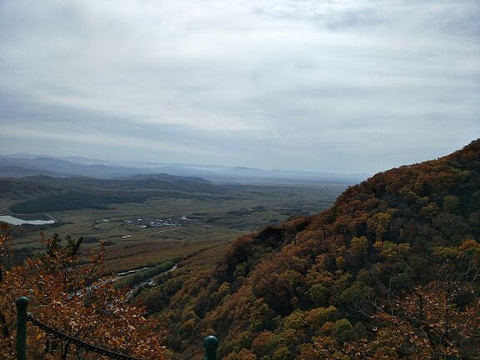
pixel 315 85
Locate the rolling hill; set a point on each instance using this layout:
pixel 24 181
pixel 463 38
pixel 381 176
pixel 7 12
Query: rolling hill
pixel 42 193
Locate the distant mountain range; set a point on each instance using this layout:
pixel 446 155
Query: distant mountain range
pixel 22 165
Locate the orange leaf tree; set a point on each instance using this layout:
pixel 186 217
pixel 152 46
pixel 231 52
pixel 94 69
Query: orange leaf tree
pixel 74 298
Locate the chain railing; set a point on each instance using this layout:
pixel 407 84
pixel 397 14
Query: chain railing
pixel 210 342
pixel 79 343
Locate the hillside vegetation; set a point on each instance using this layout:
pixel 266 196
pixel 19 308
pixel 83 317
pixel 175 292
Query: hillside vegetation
pixel 391 271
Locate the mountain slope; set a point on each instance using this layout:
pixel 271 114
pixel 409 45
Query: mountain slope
pixel 390 271
pixel 56 167
pixel 13 171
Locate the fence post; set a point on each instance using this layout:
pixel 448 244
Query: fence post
pixel 211 344
pixel 22 304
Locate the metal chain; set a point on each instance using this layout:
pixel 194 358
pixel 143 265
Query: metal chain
pixel 77 342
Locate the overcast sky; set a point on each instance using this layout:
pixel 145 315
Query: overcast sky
pixel 338 86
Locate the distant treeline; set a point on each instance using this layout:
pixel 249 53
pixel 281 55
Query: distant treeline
pixel 90 199
pixel 44 194
pixel 73 200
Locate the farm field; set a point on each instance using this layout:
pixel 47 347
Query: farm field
pixel 143 234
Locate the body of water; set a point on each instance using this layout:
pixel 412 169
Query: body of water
pixel 16 221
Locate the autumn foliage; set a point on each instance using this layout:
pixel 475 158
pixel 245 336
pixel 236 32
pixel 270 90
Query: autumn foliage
pixel 391 271
pixel 74 298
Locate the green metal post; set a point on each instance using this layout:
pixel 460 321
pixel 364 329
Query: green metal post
pixel 211 344
pixel 22 304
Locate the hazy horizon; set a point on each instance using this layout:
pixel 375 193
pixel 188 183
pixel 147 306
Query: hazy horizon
pixel 208 168
pixel 341 87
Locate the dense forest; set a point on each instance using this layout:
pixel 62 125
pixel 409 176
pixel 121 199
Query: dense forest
pixel 391 271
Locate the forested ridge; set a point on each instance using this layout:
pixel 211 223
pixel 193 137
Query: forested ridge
pixel 390 271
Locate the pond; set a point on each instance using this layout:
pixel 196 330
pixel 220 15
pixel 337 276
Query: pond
pixel 16 221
